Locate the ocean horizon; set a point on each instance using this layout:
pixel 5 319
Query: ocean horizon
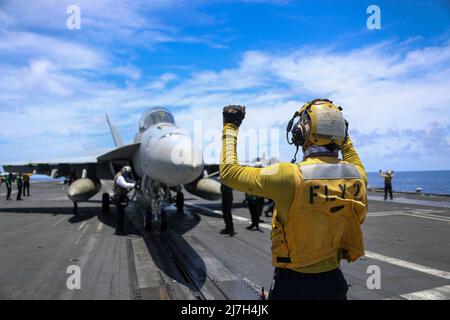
pixel 436 181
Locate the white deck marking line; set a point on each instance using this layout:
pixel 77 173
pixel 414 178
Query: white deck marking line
pixel 100 227
pixel 59 221
pixel 428 213
pixel 424 216
pixel 239 218
pixel 383 214
pixel 409 265
pixel 82 225
pixel 81 235
pixel 256 287
pixel 420 213
pixel 439 293
pixel 261 224
pixel 428 210
pixel 428 203
pixel 265 226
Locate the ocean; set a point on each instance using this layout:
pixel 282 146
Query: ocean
pixel 430 181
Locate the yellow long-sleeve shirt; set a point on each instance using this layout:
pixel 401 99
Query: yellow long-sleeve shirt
pixel 276 182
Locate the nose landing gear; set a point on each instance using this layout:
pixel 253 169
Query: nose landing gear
pixel 106 202
pixel 180 203
pixel 151 196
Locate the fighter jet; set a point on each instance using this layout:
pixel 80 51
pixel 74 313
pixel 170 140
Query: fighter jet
pixel 163 158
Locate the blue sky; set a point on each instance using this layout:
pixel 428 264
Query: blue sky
pixel 195 56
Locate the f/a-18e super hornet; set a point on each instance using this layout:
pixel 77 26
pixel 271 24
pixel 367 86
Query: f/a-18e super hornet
pixel 163 158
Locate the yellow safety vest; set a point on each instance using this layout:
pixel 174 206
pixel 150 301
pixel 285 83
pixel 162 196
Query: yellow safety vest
pixel 329 206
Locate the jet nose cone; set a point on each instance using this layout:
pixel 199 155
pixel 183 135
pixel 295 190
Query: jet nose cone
pixel 175 160
pixel 187 160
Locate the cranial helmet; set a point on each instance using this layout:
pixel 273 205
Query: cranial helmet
pixel 126 170
pixel 320 123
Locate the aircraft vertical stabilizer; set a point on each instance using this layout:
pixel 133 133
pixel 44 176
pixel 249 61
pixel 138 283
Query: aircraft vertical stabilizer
pixel 115 133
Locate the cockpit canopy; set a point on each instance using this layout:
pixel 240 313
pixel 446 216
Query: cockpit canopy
pixel 153 116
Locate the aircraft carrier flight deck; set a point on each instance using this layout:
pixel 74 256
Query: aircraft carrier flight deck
pixel 407 241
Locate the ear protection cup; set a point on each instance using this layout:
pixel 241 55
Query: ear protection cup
pixel 299 131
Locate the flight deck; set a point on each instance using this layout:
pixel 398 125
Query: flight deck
pixel 407 241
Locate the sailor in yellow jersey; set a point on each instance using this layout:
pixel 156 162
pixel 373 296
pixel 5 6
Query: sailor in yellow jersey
pixel 320 202
pixel 387 183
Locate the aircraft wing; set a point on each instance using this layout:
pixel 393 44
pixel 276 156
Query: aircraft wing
pixel 104 168
pixel 94 169
pixel 124 153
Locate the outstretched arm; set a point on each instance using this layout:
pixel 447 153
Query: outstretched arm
pixel 275 182
pixel 350 155
pixel 264 182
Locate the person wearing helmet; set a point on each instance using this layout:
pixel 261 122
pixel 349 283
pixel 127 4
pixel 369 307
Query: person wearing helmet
pixel 122 186
pixel 387 183
pixel 26 184
pixel 320 202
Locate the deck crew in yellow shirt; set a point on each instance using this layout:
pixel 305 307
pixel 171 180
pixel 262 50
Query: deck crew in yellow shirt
pixel 320 202
pixel 387 183
pixel 26 184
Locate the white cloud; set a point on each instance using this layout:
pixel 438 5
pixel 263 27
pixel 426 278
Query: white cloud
pixel 59 89
pixel 67 54
pixel 110 22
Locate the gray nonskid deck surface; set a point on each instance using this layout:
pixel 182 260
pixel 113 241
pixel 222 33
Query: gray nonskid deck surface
pixel 40 238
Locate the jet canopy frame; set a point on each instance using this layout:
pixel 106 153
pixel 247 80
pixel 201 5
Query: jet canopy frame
pixel 155 115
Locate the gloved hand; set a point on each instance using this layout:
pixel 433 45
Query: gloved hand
pixel 137 185
pixel 233 114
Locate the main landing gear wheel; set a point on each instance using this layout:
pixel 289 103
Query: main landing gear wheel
pixel 163 221
pixel 148 221
pixel 180 202
pixel 106 202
